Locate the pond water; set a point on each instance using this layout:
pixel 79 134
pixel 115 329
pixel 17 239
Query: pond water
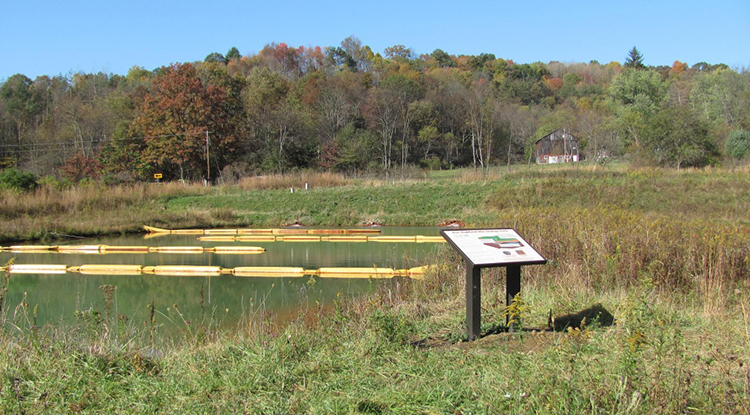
pixel 228 298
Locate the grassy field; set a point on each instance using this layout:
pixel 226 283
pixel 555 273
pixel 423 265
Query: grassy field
pixel 666 252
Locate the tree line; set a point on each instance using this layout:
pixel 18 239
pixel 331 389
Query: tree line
pixel 347 108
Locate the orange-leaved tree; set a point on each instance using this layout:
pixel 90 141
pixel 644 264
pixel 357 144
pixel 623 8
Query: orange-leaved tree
pixel 180 118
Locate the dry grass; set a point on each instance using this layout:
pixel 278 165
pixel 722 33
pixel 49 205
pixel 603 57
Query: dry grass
pixel 297 181
pixel 87 210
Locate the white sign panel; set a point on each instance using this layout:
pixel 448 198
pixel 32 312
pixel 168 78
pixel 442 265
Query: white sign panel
pixel 493 246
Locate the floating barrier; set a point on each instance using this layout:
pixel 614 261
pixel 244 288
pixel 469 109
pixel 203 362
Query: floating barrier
pixel 214 271
pixel 183 270
pixel 216 238
pixel 274 231
pixel 37 269
pixel 335 238
pixel 177 249
pixel 255 231
pixel 298 238
pixel 255 238
pixel 76 249
pixel 236 250
pixel 268 272
pixel 106 249
pixel 356 272
pixel 429 239
pixel 392 239
pixel 353 238
pixel 30 248
pixel 220 231
pixel 113 269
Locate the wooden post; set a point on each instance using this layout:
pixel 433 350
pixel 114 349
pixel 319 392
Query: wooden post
pixel 512 287
pixel 473 301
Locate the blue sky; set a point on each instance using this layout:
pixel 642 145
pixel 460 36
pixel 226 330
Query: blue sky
pixel 58 37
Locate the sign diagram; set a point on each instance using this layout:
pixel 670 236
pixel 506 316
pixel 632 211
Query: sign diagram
pixel 493 246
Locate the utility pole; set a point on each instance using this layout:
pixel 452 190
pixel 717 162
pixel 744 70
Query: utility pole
pixel 208 163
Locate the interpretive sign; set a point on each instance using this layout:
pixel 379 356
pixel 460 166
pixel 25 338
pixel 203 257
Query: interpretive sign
pixel 484 248
pixel 492 247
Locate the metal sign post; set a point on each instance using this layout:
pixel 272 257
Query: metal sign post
pixel 486 248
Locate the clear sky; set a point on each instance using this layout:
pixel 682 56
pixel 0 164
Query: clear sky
pixel 60 36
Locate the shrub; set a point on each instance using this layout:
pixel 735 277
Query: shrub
pixel 737 144
pixel 17 180
pixel 53 183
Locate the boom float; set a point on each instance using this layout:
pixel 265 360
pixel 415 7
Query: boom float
pixel 106 249
pixel 215 271
pixel 274 231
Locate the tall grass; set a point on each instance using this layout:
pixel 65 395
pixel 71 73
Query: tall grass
pixel 87 210
pixel 665 252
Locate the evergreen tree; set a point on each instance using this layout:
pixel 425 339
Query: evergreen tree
pixel 634 59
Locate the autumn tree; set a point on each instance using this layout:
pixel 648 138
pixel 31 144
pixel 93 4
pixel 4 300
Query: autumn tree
pixel 182 120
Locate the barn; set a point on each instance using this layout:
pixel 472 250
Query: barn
pixel 558 146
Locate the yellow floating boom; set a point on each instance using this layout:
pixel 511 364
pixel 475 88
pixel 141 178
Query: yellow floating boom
pixel 274 231
pixel 113 269
pixel 214 271
pixel 37 269
pixel 268 272
pixel 123 249
pixel 236 250
pixel 356 272
pixel 333 238
pixel 298 238
pixel 77 249
pixel 183 270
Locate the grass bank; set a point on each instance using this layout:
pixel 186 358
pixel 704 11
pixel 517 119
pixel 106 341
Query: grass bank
pixel 665 252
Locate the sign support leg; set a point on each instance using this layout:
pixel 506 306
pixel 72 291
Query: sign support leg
pixel 473 302
pixel 512 287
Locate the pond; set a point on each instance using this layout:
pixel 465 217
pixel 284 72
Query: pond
pixel 226 298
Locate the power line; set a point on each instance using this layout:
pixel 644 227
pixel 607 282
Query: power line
pixel 124 139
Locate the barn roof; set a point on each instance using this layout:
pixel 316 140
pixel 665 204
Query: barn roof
pixel 561 132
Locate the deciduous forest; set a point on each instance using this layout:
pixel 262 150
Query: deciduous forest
pixel 350 109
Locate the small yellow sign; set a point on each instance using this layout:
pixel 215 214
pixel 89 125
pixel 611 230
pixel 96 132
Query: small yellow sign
pixel 157 175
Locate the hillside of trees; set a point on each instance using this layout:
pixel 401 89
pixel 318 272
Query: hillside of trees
pixel 349 109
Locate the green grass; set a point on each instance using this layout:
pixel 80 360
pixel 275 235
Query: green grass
pixel 664 251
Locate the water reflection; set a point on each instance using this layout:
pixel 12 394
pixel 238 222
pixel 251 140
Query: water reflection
pixel 227 297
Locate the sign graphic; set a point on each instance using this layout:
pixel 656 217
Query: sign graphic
pixel 497 247
pixel 501 243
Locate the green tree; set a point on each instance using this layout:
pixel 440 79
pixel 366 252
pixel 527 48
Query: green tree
pixel 677 138
pixel 19 101
pixel 737 145
pixel 443 59
pixel 634 60
pixel 214 57
pixel 233 53
pixel 637 96
pixel 722 96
